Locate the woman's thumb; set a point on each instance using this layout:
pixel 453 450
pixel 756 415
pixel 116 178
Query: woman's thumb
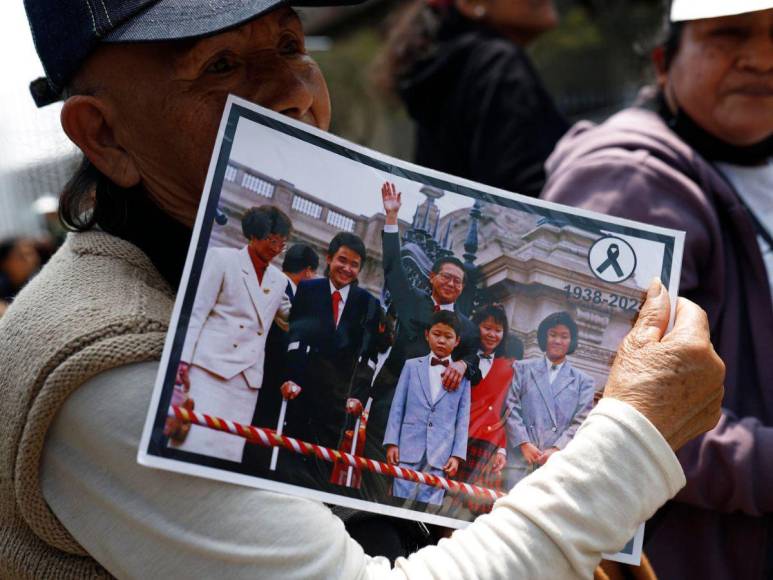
pixel 653 316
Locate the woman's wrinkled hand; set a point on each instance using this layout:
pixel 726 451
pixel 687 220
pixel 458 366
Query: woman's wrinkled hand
pixel 676 380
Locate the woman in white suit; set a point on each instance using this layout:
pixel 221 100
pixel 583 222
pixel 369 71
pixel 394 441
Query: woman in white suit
pixel 240 294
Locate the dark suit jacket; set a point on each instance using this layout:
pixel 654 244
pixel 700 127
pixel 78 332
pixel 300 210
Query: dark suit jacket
pixel 321 357
pixel 414 310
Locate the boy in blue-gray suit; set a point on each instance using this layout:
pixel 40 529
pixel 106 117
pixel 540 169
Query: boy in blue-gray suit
pixel 427 427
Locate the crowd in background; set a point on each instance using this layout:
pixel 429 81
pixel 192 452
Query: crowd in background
pixel 20 260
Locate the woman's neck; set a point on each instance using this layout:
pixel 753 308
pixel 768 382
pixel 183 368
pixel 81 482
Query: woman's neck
pixel 712 148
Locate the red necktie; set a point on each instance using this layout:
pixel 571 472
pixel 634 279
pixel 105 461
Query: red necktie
pixel 434 361
pixel 436 308
pixel 336 301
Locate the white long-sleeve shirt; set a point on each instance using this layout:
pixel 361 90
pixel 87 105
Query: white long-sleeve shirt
pixel 146 523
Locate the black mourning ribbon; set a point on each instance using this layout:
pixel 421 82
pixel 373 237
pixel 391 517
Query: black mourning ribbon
pixel 613 253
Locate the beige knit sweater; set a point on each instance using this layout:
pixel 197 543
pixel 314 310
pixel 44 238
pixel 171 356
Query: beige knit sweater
pixel 98 304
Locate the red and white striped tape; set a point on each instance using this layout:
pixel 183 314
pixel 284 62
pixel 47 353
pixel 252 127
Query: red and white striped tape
pixel 269 438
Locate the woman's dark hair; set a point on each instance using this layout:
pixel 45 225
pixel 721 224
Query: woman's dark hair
pixel 671 39
pixel 414 32
pixel 497 312
pixel 300 257
pixel 553 320
pixel 261 222
pixel 90 198
pixel 351 241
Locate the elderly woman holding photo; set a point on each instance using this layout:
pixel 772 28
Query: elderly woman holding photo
pixel 79 348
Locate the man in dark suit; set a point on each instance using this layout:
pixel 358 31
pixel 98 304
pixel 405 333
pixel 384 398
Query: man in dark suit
pixel 300 263
pixel 329 321
pixel 414 308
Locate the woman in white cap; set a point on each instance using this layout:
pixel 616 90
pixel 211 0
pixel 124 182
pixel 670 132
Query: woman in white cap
pixel 696 156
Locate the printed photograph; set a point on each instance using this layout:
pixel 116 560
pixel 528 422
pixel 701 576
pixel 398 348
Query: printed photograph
pixel 366 332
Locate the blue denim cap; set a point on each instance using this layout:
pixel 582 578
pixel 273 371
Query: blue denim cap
pixel 65 32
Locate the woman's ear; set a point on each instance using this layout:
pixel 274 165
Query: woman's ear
pixel 472 9
pixel 659 60
pixel 85 120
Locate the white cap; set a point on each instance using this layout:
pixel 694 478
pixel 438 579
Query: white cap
pixel 682 10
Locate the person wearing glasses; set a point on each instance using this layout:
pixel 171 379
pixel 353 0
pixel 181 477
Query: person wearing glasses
pixel 240 294
pixel 415 308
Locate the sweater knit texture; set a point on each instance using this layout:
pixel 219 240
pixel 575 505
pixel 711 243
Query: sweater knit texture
pixel 97 305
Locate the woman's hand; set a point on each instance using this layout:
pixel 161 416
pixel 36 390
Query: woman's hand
pixel 545 455
pixel 530 452
pixel 674 380
pixel 452 376
pixel 498 463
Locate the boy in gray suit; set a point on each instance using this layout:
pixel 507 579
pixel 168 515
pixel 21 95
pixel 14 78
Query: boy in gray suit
pixel 427 427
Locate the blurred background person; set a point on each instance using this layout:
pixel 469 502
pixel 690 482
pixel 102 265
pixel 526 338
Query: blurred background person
pixel 697 156
pixel 19 262
pixel 47 208
pixel 480 108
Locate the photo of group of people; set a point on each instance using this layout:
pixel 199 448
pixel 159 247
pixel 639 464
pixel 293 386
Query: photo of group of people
pixel 436 334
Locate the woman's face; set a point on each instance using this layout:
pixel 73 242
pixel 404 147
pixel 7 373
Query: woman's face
pixel 491 334
pixel 164 100
pixel 520 20
pixel 559 340
pixel 269 247
pixel 722 76
pixel 22 262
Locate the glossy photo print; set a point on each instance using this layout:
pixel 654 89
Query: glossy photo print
pixel 366 332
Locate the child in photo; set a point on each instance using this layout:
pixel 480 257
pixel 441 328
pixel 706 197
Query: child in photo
pixel 427 427
pixel 549 399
